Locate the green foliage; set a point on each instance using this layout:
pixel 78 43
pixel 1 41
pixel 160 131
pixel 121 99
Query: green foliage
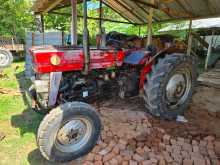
pixel 15 18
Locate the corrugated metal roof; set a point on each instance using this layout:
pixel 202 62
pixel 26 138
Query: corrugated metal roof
pixel 211 23
pixel 136 11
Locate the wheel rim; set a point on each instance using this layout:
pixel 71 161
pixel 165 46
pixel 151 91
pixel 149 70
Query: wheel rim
pixel 178 88
pixel 3 59
pixel 73 135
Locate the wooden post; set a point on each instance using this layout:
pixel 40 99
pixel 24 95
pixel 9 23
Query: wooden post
pixel 209 50
pixel 189 46
pixel 42 27
pixel 13 43
pixel 150 20
pixel 74 23
pixel 100 17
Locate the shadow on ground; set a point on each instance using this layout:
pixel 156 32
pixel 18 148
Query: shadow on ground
pixel 35 158
pixel 28 121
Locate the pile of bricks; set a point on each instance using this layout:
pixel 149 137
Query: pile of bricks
pixel 128 138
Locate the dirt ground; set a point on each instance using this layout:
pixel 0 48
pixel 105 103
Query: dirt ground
pixel 132 136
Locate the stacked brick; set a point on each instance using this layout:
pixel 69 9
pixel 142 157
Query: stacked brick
pixel 128 138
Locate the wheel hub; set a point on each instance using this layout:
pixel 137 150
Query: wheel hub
pixel 176 88
pixel 3 59
pixel 73 135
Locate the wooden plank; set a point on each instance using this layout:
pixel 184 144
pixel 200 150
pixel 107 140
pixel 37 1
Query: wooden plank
pixel 209 51
pixel 150 21
pixel 189 46
pixel 74 23
pixel 201 40
pixel 211 78
pixel 53 5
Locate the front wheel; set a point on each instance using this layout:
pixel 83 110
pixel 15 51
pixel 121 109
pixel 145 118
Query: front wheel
pixel 69 132
pixel 6 58
pixel 169 87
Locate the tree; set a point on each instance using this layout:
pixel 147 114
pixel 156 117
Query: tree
pixel 16 18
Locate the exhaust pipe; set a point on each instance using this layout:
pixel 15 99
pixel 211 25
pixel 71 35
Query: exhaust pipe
pixel 86 49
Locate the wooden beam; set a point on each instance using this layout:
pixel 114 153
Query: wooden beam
pixel 145 10
pixel 130 10
pixel 189 45
pixel 201 40
pixel 150 18
pixel 74 22
pixel 53 5
pixel 209 51
pixel 95 18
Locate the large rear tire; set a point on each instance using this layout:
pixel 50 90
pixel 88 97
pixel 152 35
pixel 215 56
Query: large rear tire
pixel 169 87
pixel 69 132
pixel 6 58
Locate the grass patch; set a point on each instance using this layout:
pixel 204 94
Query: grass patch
pixel 17 122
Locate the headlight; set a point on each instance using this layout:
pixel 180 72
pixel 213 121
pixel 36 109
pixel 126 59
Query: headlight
pixel 55 60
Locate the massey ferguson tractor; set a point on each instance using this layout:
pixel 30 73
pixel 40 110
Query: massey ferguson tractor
pixel 68 78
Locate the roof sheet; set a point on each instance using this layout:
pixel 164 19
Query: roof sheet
pixel 136 11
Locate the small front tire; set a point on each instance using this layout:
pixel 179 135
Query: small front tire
pixel 68 132
pixel 6 58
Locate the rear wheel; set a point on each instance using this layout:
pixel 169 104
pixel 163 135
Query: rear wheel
pixel 169 87
pixel 69 132
pixel 6 58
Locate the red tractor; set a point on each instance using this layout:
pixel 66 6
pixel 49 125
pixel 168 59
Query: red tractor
pixel 66 77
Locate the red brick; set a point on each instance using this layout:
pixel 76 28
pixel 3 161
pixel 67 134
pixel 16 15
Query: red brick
pixel 154 161
pixel 88 163
pixel 185 154
pixel 187 147
pixel 187 162
pixel 96 149
pixel 119 159
pixel 98 163
pixel 105 151
pixel 166 139
pixel 90 157
pixel 147 162
pixel 125 163
pixel 132 162
pixel 108 157
pixel 217 147
pixel 140 151
pixel 196 149
pixel 162 162
pixel 203 143
pixel 138 158
pixel 114 161
pixel 209 138
pixel 122 141
pixel 199 162
pixel 98 157
pixel 146 149
pixel 116 150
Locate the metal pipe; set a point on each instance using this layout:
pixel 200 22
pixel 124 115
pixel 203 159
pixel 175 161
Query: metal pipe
pixel 86 50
